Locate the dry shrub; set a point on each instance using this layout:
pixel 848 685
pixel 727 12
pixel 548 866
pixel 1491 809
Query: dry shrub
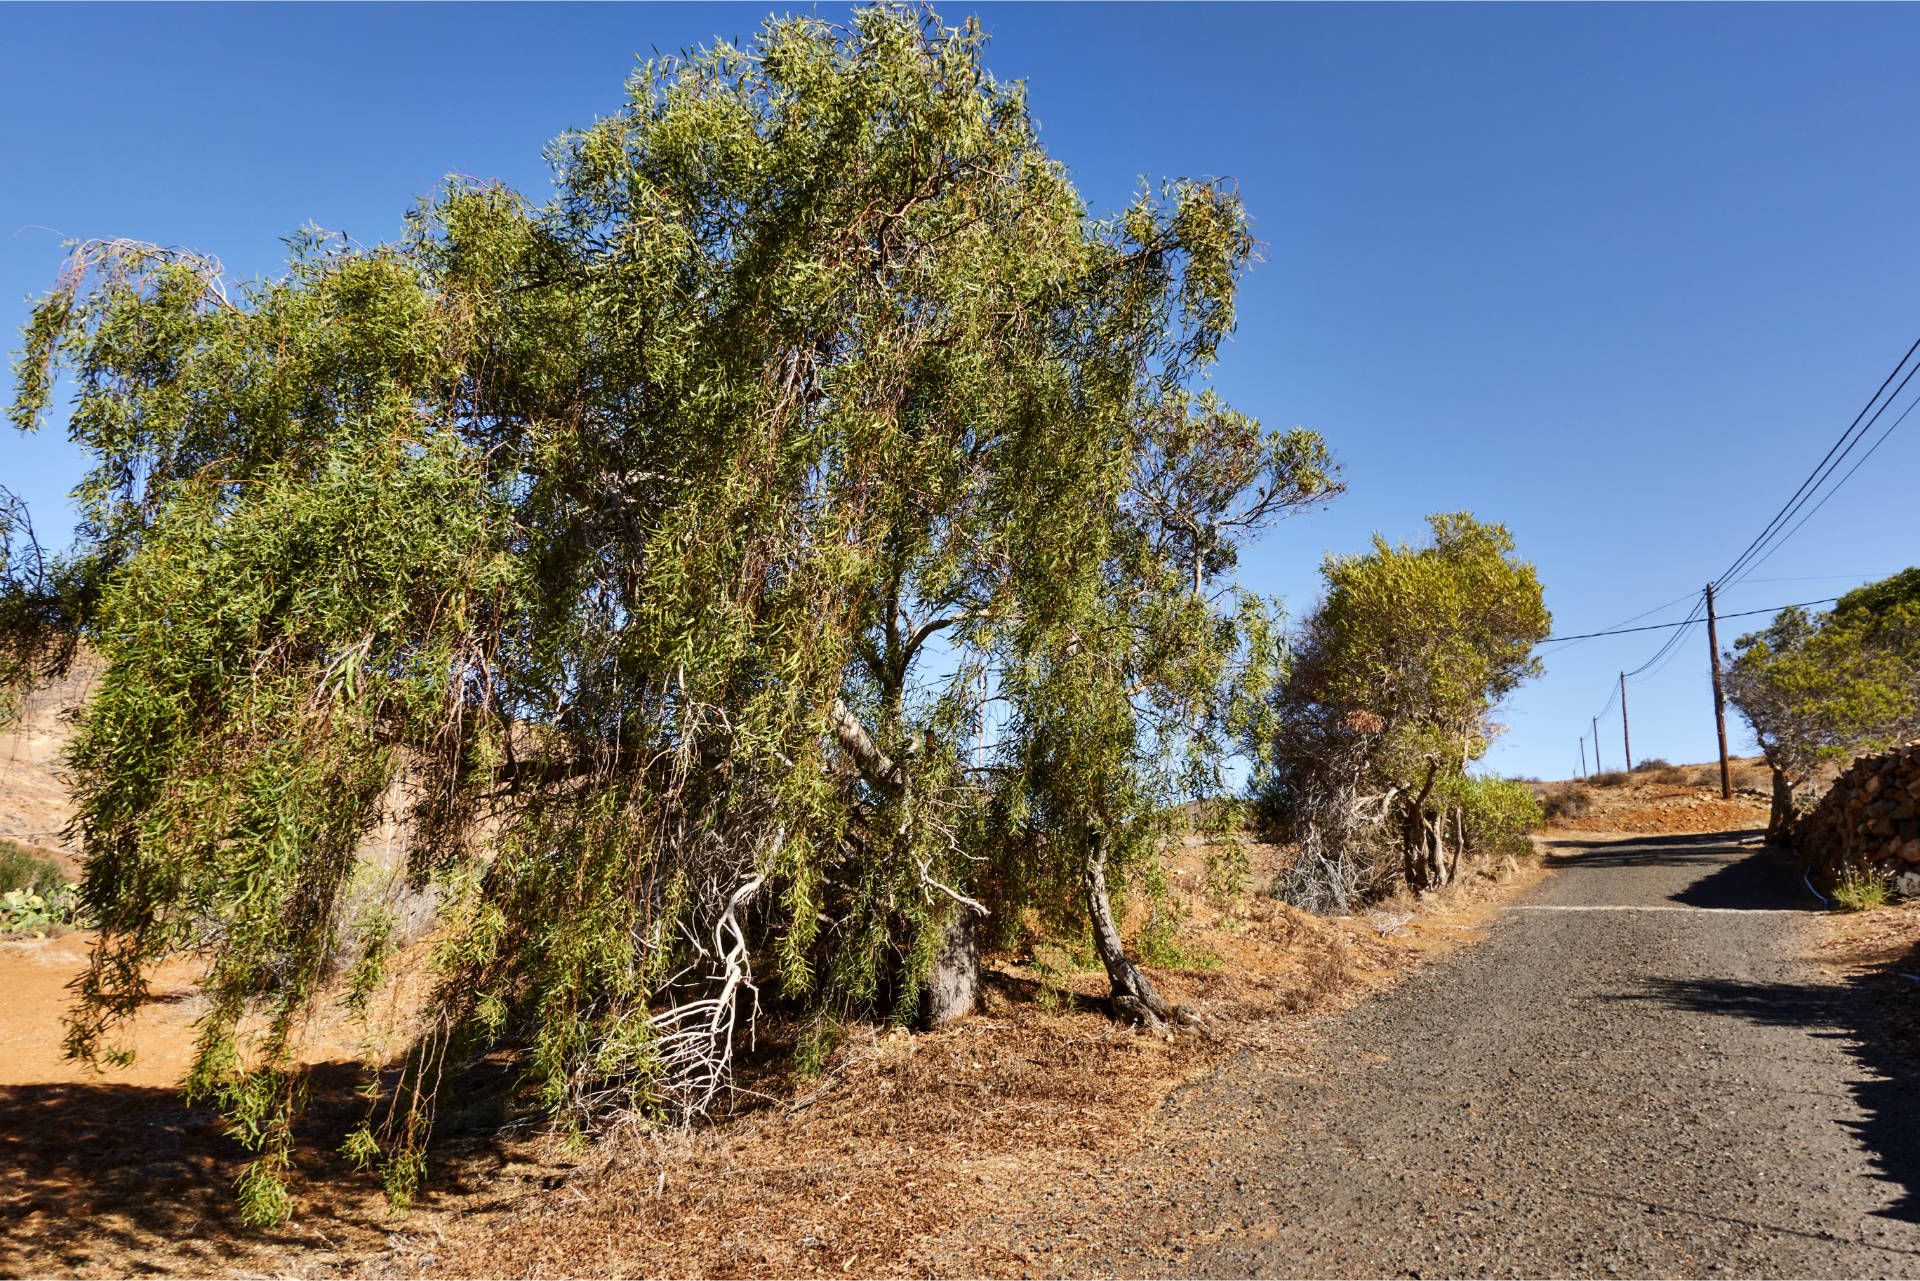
pixel 1326 971
pixel 1568 802
pixel 1612 778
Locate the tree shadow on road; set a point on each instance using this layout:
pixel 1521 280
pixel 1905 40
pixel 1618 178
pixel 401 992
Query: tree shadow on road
pixel 1684 849
pixel 1736 876
pixel 1765 880
pixel 1874 1014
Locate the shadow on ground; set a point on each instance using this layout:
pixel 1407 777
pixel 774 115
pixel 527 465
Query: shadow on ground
pixel 122 1179
pixel 1875 1015
pixel 100 1179
pixel 1764 879
pixel 1686 849
pixel 1767 879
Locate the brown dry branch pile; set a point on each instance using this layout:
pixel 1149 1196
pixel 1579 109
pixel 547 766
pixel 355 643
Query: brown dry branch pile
pixel 1869 821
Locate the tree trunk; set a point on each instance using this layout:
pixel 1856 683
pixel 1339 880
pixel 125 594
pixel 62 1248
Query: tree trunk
pixel 953 989
pixel 1133 992
pixel 1780 821
pixel 1417 858
pixel 1437 845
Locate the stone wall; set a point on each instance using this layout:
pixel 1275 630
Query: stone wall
pixel 1869 821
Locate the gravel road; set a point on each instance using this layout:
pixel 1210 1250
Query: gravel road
pixel 1634 1074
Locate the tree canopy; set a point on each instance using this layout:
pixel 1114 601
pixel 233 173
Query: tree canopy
pixel 808 530
pixel 1820 687
pixel 1395 679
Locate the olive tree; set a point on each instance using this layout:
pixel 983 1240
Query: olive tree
pixel 1821 687
pixel 1394 682
pixel 805 536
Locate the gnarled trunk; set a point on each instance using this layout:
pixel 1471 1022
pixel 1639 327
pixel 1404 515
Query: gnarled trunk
pixel 1423 857
pixel 1133 992
pixel 1780 821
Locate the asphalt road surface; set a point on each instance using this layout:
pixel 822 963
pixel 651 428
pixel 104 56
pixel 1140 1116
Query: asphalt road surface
pixel 1634 1074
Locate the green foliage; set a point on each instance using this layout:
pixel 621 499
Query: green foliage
pixel 1160 945
pixel 1826 687
pixel 23 911
pixel 651 559
pixel 1053 966
pixel 814 1049
pixel 1391 695
pixel 1862 892
pixel 22 869
pixel 1885 600
pixel 34 895
pixel 1497 813
pixel 1429 639
pixel 38 604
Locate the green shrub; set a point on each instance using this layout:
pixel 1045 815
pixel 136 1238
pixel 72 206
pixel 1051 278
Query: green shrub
pixel 1862 892
pixel 1651 764
pixel 34 895
pixel 1497 814
pixel 23 910
pixel 22 869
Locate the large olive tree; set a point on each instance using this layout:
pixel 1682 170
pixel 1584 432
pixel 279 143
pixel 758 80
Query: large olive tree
pixel 1824 687
pixel 1391 696
pixel 804 536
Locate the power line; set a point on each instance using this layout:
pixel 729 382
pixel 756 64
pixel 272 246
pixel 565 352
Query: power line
pixel 1673 641
pixel 1656 665
pixel 1557 640
pixel 1801 506
pixel 1654 627
pixel 1818 578
pixel 1835 455
pixel 1836 489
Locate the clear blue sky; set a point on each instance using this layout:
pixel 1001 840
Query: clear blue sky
pixel 1614 275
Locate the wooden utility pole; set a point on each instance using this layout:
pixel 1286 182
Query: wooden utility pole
pixel 1598 768
pixel 1583 756
pixel 1626 736
pixel 1719 700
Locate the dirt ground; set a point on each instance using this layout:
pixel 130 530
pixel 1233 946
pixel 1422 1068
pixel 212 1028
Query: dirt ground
pixel 1673 801
pixel 904 1145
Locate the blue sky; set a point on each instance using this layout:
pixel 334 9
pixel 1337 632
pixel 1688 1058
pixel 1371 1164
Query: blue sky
pixel 1614 275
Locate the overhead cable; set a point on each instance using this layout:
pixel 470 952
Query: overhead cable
pixel 1837 454
pixel 1654 627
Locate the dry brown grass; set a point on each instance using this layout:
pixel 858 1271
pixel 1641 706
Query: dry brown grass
pixel 1869 942
pixel 918 1137
pixel 886 1165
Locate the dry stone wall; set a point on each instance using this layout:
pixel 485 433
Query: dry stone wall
pixel 1869 821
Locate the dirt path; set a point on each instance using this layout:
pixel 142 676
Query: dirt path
pixel 1636 1073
